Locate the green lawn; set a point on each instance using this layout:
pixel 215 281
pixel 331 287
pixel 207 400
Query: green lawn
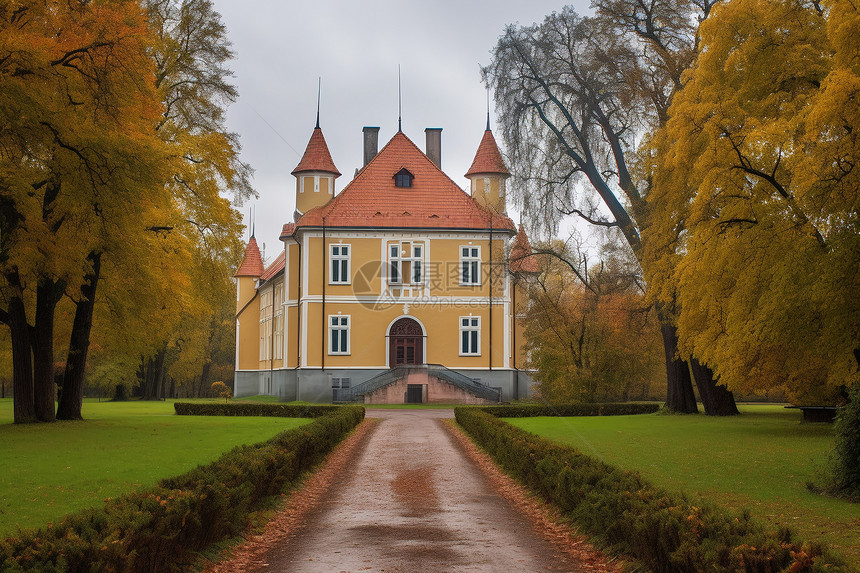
pixel 49 470
pixel 760 460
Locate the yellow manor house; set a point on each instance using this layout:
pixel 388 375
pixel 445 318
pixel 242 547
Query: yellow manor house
pixel 401 288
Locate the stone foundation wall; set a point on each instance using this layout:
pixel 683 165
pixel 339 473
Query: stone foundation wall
pixel 435 392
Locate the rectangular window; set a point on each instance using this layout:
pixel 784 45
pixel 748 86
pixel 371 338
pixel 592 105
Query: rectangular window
pixel 470 265
pixel 278 350
pixel 278 328
pixel 470 336
pixel 394 263
pixel 266 312
pixel 417 264
pixel 338 334
pixel 339 257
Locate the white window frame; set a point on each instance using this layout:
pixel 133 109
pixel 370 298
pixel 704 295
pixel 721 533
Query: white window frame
pixel 417 262
pixel 266 323
pixel 395 263
pixel 472 325
pixel 469 257
pixel 341 324
pixel 343 261
pixel 278 322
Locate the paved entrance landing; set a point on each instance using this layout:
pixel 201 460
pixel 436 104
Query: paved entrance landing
pixel 412 501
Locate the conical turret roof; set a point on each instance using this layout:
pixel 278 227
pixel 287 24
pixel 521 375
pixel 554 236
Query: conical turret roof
pixel 520 259
pixel 488 159
pixel 317 156
pixel 252 264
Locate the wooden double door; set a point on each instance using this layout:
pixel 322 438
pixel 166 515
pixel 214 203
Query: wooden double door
pixel 405 343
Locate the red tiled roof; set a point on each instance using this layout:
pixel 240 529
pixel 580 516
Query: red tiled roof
pixel 287 231
pixel 317 156
pixel 276 267
pixel 433 200
pixel 488 159
pixel 520 261
pixel 252 263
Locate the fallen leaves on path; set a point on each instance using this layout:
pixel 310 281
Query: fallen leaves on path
pixel 250 555
pixel 544 519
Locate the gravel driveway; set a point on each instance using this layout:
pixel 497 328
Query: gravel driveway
pixel 411 500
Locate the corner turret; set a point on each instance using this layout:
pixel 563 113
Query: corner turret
pixel 315 174
pixel 488 174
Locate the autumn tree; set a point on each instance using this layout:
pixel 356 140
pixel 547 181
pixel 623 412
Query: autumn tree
pixel 195 83
pixel 77 151
pixel 591 334
pixel 112 169
pixel 755 186
pixel 190 53
pixel 574 95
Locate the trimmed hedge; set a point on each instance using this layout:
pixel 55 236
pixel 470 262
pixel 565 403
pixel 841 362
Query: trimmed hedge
pixel 530 410
pixel 666 532
pixel 252 409
pixel 161 528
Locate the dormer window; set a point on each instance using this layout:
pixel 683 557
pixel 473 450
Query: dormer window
pixel 403 178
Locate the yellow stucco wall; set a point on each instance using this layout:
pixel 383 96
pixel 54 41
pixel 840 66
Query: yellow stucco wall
pixel 492 195
pixel 247 324
pixel 313 189
pixel 372 305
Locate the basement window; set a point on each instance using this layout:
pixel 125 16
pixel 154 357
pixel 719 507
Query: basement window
pixel 403 178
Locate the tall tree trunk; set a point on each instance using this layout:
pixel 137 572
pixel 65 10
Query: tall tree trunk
pixel 717 399
pixel 154 375
pixel 22 363
pixel 679 390
pixel 72 398
pixel 204 376
pixel 48 294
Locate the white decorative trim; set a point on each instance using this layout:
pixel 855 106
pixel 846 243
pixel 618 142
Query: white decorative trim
pixel 394 233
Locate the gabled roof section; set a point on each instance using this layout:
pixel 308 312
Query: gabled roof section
pixel 488 159
pixel 276 267
pixel 317 156
pixel 520 259
pixel 252 263
pixel 433 201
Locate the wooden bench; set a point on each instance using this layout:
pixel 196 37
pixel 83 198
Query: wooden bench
pixel 824 414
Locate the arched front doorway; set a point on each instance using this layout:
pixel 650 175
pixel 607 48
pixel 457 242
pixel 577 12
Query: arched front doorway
pixel 405 343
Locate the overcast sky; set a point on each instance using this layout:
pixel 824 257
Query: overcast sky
pixel 283 47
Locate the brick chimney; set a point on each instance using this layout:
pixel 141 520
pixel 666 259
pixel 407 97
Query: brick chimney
pixel 371 143
pixel 434 145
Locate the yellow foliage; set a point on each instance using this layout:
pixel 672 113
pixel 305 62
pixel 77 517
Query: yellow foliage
pixel 753 230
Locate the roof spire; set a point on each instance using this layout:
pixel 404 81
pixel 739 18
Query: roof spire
pixel 319 88
pixel 253 221
pixel 488 108
pixel 399 103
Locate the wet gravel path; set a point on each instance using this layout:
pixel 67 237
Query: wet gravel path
pixel 410 499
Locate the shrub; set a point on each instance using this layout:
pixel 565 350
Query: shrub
pixel 847 447
pixel 666 532
pixel 220 390
pixel 254 409
pixel 161 528
pixel 531 410
pixel 841 478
